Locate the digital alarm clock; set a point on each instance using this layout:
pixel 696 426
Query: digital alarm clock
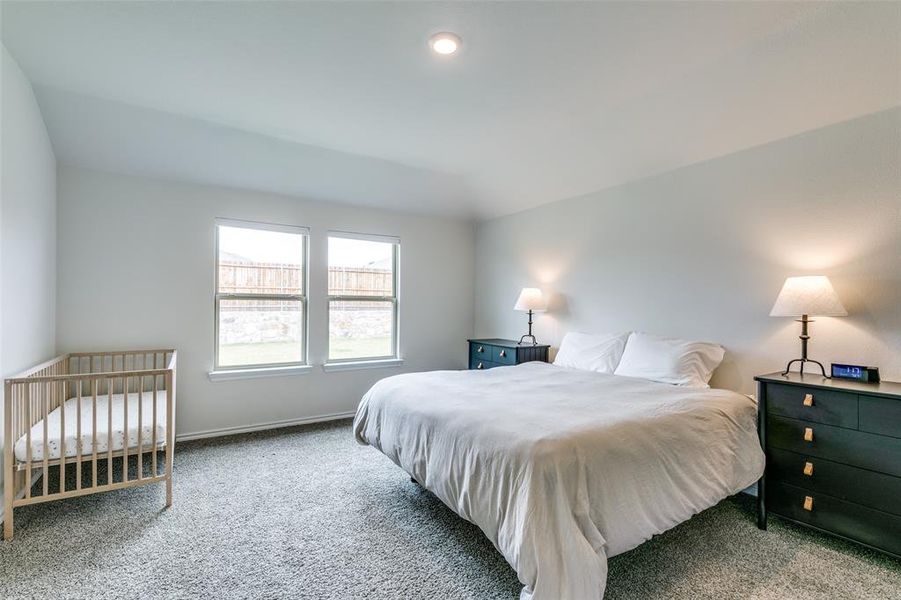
pixel 855 373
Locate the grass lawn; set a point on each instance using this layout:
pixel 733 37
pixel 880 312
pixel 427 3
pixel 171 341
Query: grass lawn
pixel 280 352
pixel 342 348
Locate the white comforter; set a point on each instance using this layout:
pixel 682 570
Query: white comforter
pixel 561 468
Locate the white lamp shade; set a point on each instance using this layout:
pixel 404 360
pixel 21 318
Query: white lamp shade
pixel 811 295
pixel 530 299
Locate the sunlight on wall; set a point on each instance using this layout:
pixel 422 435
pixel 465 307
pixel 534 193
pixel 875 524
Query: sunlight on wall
pixel 546 273
pixel 819 246
pixel 827 256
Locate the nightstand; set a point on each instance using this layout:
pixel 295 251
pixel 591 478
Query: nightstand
pixel 833 456
pixel 489 353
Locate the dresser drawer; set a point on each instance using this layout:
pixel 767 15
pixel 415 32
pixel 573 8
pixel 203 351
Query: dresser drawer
pixel 503 356
pixel 825 406
pixel 846 446
pixel 873 527
pixel 880 415
pixel 875 490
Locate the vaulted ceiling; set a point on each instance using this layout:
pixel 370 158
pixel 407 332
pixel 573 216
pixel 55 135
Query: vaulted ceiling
pixel 344 102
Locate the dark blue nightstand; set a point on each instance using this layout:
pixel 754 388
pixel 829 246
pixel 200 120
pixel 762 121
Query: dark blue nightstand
pixel 493 352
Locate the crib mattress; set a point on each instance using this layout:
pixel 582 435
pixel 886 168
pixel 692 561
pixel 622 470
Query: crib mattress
pixel 124 430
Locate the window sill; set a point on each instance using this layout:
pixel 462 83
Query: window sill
pixel 382 363
pixel 231 374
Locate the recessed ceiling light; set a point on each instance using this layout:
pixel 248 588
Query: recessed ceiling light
pixel 445 43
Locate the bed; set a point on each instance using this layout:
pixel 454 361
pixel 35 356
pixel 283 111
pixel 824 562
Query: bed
pixel 564 468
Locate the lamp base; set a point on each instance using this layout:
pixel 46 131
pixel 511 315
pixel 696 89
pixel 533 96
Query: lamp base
pixel 802 361
pixel 529 335
pixel 804 337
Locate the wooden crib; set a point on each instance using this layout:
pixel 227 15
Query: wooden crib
pixel 120 410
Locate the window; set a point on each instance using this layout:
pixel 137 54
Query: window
pixel 261 297
pixel 362 297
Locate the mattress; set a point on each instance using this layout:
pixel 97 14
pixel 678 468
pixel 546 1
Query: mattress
pixel 124 432
pixel 561 468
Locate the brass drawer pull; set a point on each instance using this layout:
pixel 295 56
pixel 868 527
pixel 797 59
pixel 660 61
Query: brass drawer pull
pixel 808 469
pixel 480 349
pixel 808 503
pixel 479 366
pixel 808 434
pixel 503 353
pixel 808 399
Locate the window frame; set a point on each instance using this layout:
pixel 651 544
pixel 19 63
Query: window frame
pixel 304 232
pixel 395 300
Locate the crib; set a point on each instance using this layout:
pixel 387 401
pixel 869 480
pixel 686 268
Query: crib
pixel 91 422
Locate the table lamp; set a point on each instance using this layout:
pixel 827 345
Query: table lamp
pixel 807 296
pixel 530 300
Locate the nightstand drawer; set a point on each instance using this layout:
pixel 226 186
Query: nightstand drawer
pixel 861 486
pixel 504 356
pixel 481 365
pixel 880 415
pixel 857 448
pixel 479 352
pixel 813 404
pixel 498 352
pixel 848 519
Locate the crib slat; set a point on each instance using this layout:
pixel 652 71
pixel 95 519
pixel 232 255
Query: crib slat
pixel 109 431
pixel 78 436
pixel 21 408
pixel 16 414
pixel 27 387
pixel 29 401
pixel 124 425
pixel 94 432
pixel 62 440
pixel 140 430
pixel 153 456
pixel 46 405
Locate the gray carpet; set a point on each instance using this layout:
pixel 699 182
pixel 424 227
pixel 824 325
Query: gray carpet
pixel 307 513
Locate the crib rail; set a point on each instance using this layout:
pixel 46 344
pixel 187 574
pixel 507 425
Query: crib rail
pixel 72 386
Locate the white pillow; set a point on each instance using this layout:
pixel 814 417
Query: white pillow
pixel 679 362
pixel 591 352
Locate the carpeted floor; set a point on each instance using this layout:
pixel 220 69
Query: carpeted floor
pixel 307 513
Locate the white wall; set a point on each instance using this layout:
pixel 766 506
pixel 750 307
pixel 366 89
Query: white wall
pixel 701 252
pixel 27 229
pixel 136 270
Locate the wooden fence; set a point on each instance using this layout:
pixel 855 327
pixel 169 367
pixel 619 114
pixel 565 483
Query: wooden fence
pixel 271 278
pixel 360 282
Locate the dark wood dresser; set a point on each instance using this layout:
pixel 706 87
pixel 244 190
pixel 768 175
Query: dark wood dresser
pixel 833 456
pixel 488 353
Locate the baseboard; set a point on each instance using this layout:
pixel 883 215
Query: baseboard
pixel 211 433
